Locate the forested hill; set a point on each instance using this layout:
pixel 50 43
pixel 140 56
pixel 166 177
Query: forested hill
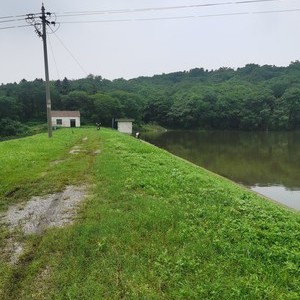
pixel 250 98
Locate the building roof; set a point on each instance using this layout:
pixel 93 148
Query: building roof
pixel 124 120
pixel 65 113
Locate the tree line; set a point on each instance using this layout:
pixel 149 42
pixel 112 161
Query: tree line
pixel 249 98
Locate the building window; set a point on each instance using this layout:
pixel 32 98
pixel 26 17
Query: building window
pixel 58 121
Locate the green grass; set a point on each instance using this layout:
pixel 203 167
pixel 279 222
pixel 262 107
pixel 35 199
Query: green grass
pixel 28 165
pixel 155 227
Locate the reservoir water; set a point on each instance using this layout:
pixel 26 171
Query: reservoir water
pixel 266 162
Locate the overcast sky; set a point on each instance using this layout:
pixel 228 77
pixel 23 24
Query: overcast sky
pixel 148 42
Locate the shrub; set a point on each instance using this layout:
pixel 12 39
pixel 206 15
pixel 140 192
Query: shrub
pixel 9 127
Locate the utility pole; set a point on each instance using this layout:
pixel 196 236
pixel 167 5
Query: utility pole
pixel 48 97
pixel 41 23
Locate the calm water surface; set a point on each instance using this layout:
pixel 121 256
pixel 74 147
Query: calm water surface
pixel 268 163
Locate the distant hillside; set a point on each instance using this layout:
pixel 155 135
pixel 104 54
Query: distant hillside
pixel 250 98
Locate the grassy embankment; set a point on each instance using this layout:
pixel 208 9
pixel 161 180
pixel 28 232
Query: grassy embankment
pixel 154 227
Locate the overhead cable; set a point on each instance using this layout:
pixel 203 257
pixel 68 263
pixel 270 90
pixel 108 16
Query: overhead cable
pixel 9 17
pixel 120 11
pixel 15 26
pixel 11 20
pixel 62 43
pixel 85 13
pixel 183 17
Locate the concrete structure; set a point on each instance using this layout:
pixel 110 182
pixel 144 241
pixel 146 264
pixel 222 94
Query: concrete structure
pixel 125 125
pixel 65 118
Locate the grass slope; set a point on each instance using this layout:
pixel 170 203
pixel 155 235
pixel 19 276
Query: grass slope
pixel 154 227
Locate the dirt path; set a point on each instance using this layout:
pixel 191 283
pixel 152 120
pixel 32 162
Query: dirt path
pixel 40 213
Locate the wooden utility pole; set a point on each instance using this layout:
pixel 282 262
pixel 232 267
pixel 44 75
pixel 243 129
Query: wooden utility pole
pixel 40 23
pixel 48 97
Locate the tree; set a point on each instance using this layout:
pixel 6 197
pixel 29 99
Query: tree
pixel 79 100
pixel 157 108
pixel 75 100
pixel 130 104
pixel 31 99
pixel 8 108
pixel 250 98
pixel 257 110
pixel 10 127
pixel 105 108
pixel 65 86
pixel 291 100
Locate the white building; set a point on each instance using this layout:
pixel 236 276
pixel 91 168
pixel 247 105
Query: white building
pixel 125 125
pixel 65 118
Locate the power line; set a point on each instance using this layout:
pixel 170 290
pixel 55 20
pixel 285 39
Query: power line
pixel 15 26
pixel 87 13
pixel 62 43
pixel 53 56
pixel 277 11
pixel 7 17
pixel 121 11
pixel 118 11
pixel 183 17
pixel 12 20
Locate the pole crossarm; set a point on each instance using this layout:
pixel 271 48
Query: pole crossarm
pixel 37 20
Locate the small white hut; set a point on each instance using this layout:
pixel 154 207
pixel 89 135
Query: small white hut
pixel 65 118
pixel 125 125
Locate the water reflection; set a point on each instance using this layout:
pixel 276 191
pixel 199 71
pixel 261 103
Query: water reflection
pixel 290 198
pixel 269 163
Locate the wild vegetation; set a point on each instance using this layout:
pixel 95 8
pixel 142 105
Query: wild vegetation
pixel 153 227
pixel 250 98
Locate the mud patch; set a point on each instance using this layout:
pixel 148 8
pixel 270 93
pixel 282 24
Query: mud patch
pixel 56 162
pixel 13 249
pixel 76 151
pixel 40 213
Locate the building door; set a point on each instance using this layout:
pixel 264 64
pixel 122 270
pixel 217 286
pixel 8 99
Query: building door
pixel 72 123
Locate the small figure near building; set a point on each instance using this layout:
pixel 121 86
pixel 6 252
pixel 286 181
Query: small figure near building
pixel 137 135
